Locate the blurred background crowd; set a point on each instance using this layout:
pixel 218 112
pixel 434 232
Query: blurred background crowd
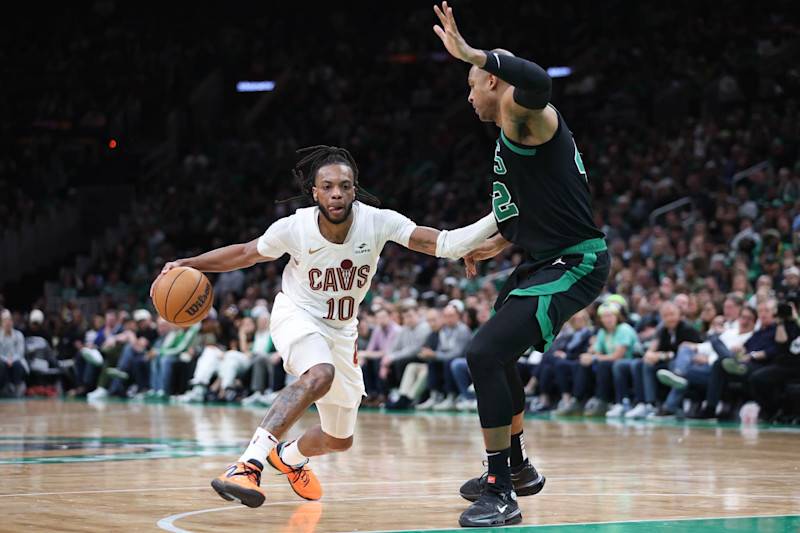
pixel 128 145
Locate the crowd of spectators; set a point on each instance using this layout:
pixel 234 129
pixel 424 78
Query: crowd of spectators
pixel 678 115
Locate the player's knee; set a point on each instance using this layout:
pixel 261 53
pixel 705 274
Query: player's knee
pixel 479 358
pixel 319 379
pixel 338 445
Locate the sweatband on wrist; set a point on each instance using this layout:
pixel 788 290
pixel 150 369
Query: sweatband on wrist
pixel 532 84
pixel 456 243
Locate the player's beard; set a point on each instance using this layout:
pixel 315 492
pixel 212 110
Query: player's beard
pixel 344 218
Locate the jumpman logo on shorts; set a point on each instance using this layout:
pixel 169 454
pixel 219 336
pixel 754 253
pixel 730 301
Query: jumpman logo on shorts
pixel 559 261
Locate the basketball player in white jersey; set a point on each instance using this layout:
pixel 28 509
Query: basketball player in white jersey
pixel 334 247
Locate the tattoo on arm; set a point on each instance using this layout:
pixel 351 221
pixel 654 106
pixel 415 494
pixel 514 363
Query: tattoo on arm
pixel 422 244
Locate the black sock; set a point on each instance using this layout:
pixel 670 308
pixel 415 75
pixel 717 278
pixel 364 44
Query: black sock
pixel 518 455
pixel 499 472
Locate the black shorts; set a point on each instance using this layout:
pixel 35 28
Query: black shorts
pixel 564 284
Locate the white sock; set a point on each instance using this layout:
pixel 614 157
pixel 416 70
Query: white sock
pixel 260 446
pixel 290 454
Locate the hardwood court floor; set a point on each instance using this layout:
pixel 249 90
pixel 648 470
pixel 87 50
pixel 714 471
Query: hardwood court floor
pixel 99 467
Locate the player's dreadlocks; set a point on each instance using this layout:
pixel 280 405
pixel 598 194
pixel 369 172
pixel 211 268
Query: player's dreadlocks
pixel 317 157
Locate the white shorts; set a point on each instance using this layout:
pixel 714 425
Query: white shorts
pixel 337 421
pixel 293 331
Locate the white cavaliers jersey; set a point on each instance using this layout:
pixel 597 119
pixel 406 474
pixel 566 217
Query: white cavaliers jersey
pixel 326 279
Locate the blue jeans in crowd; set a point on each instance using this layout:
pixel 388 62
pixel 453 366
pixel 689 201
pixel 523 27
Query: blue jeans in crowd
pixel 161 370
pixel 565 370
pixel 649 380
pixel 582 375
pixel 696 374
pixel 603 380
pixel 545 373
pixel 682 361
pixel 13 374
pixel 86 374
pixel 440 377
pixel 460 372
pixel 627 372
pixel 126 363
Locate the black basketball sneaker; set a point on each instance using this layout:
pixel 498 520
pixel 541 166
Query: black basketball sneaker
pixel 527 481
pixel 493 508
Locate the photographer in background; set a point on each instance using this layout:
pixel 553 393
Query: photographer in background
pixel 769 382
pixel 789 288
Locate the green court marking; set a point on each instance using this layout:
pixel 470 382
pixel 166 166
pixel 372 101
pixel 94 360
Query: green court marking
pixel 750 524
pixel 108 449
pixel 125 440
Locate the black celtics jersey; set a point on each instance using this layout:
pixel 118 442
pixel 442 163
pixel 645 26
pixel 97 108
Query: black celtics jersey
pixel 540 196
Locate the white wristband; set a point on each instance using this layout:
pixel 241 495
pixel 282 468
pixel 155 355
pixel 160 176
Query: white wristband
pixel 456 243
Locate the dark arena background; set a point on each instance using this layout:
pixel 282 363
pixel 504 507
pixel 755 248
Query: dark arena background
pixel 134 134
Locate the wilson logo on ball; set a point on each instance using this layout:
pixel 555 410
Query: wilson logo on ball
pixel 198 304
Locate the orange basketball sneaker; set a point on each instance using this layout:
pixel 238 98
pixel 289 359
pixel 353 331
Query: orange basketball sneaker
pixel 301 478
pixel 240 483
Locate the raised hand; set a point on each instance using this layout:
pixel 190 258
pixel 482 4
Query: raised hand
pixel 452 39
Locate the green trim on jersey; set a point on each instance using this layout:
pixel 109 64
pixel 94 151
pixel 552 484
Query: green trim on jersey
pixel 543 317
pixel 587 246
pixel 514 148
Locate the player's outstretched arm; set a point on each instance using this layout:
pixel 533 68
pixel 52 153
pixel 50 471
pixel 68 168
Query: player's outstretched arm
pixel 452 244
pixel 223 259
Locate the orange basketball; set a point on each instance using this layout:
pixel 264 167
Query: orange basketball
pixel 183 296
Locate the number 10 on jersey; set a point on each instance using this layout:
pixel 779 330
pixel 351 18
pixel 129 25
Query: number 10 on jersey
pixel 346 307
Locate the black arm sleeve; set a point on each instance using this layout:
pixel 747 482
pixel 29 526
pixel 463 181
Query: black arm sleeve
pixel 531 82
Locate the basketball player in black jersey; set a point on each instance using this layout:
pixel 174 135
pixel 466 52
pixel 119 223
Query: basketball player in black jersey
pixel 542 204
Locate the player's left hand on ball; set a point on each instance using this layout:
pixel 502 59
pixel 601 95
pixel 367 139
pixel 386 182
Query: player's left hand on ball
pixel 167 267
